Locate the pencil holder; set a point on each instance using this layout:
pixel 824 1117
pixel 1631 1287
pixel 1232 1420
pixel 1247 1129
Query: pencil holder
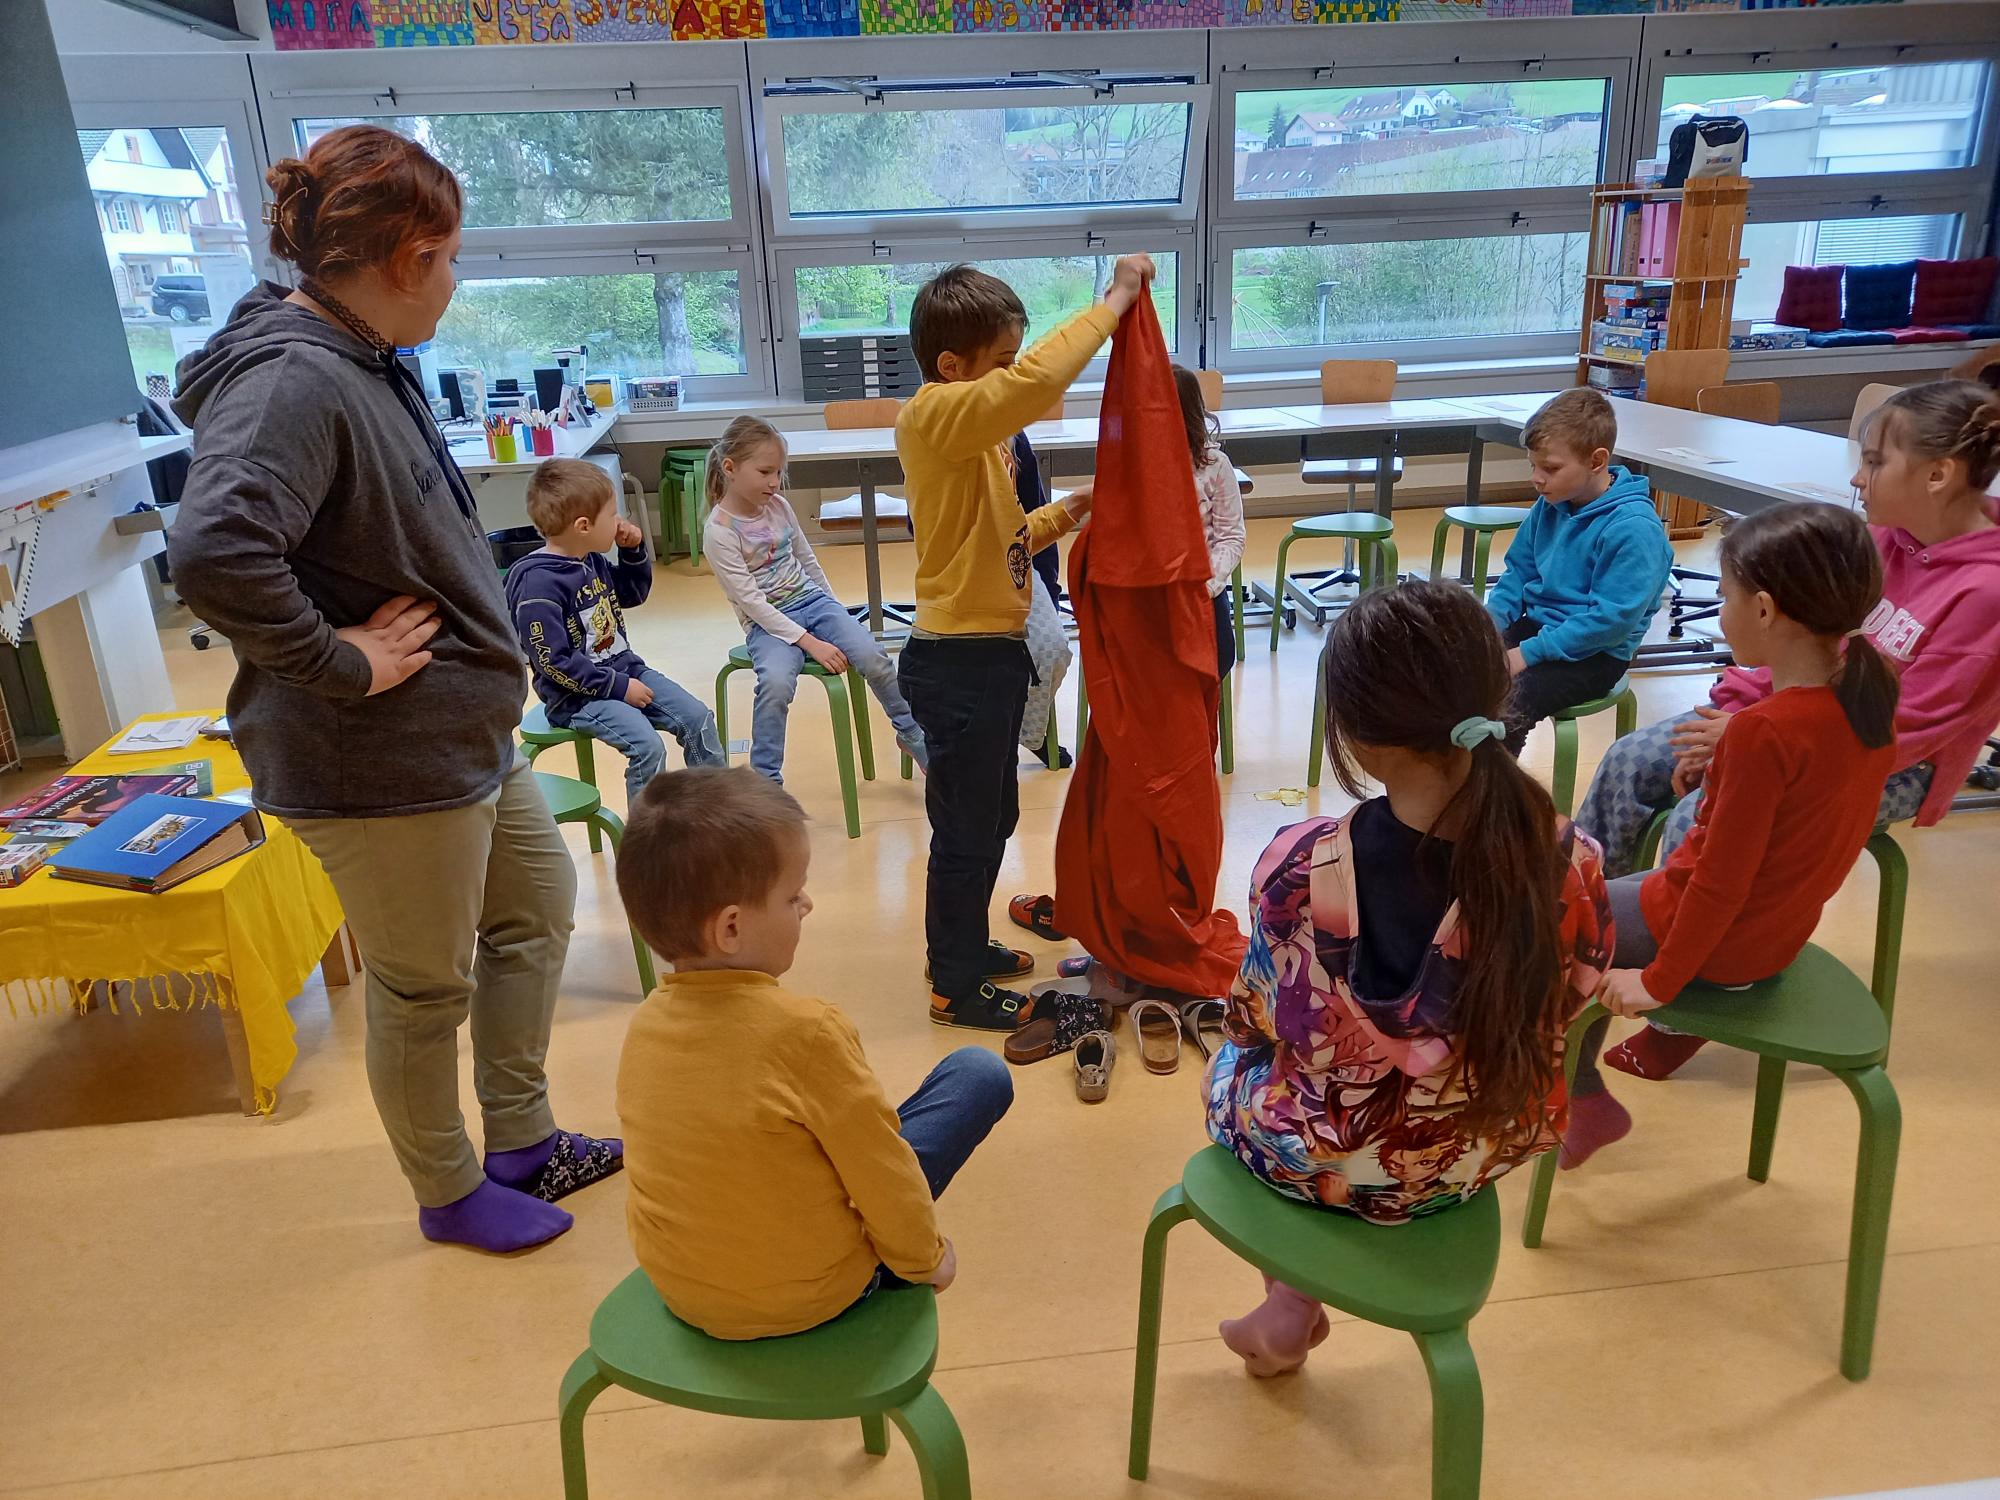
pixel 504 448
pixel 544 440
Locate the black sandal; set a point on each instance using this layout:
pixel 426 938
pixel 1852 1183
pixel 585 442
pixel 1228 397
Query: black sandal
pixel 1058 1021
pixel 566 1171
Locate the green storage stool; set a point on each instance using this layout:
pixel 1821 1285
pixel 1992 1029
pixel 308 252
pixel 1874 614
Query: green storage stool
pixel 683 499
pixel 1816 1012
pixel 577 802
pixel 1427 1277
pixel 539 736
pixel 840 694
pixel 1483 521
pixel 1562 785
pixel 1373 536
pixel 874 1361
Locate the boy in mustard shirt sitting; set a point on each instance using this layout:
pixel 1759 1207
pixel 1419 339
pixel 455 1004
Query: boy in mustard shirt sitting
pixel 965 669
pixel 772 1186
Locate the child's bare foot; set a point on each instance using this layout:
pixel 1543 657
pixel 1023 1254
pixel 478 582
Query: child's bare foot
pixel 1275 1337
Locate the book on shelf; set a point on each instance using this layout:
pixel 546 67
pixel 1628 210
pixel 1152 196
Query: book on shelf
pixel 92 799
pixel 19 859
pixel 156 842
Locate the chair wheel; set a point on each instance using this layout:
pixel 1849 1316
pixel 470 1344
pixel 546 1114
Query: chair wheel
pixel 1291 618
pixel 1986 778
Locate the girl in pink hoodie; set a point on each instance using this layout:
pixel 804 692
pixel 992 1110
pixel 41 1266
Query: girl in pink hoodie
pixel 1928 455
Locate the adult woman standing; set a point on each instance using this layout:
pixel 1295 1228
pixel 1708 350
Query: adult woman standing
pixel 327 533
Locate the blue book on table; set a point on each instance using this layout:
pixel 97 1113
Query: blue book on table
pixel 157 842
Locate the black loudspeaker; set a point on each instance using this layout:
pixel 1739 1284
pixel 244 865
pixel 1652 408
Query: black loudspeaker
pixel 548 389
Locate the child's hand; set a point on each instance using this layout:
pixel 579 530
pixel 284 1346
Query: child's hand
pixel 1077 502
pixel 1516 663
pixel 1624 994
pixel 1129 277
pixel 947 1271
pixel 1695 743
pixel 827 655
pixel 628 534
pixel 1687 775
pixel 637 693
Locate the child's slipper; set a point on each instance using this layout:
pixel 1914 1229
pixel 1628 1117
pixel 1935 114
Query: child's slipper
pixel 1198 1018
pixel 1056 1022
pixel 1095 1053
pixel 1159 1028
pixel 1038 915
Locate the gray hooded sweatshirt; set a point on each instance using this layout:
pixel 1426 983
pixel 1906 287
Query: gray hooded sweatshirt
pixel 321 488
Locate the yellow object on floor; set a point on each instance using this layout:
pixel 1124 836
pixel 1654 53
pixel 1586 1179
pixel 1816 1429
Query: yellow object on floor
pixel 247 934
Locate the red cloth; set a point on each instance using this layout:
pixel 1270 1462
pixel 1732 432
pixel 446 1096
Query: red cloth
pixel 1140 844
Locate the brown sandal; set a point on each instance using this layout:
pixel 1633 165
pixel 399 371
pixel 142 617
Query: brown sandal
pixel 1159 1027
pixel 1057 1021
pixel 1095 1053
pixel 1199 1017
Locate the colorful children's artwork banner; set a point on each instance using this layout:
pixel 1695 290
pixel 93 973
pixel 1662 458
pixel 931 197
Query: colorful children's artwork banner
pixel 310 25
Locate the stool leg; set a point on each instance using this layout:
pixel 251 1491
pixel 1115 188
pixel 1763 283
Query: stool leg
pixel 1439 535
pixel 1316 752
pixel 939 1446
pixel 722 707
pixel 1236 606
pixel 586 772
pixel 843 751
pixel 1764 1118
pixel 1649 841
pixel 1052 741
pixel 691 512
pixel 875 1434
pixel 1226 729
pixel 1082 709
pixel 1543 1178
pixel 1482 552
pixel 1278 592
pixel 581 1386
pixel 1868 1238
pixel 1563 784
pixel 1458 1414
pixel 1171 1209
pixel 614 829
pixel 864 732
pixel 1628 714
pixel 1893 869
pixel 1388 565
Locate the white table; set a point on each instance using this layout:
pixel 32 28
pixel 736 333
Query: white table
pixel 500 487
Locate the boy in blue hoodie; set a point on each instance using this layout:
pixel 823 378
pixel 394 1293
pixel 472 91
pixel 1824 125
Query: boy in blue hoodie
pixel 566 601
pixel 1585 571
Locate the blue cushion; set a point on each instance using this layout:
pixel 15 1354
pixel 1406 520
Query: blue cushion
pixel 1848 338
pixel 1879 296
pixel 1979 330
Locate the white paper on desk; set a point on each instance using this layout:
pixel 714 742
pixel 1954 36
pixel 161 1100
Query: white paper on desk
pixel 1497 408
pixel 1826 492
pixel 1696 456
pixel 159 734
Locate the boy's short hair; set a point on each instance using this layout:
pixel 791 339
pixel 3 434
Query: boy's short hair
pixel 563 491
pixel 960 311
pixel 699 840
pixel 1580 420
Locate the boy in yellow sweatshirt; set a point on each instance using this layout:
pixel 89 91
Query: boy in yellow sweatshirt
pixel 772 1186
pixel 965 669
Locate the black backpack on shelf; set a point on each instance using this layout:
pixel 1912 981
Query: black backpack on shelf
pixel 1707 146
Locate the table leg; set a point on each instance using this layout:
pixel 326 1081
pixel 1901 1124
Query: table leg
pixel 342 962
pixel 1385 476
pixel 871 547
pixel 239 1059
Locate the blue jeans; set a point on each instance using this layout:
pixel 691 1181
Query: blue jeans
pixel 778 664
pixel 635 732
pixel 952 1111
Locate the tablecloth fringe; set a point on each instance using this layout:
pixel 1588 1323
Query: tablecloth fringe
pixel 40 997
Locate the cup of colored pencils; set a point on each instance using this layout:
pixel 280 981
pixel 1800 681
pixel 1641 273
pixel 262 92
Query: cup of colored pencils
pixel 542 434
pixel 500 439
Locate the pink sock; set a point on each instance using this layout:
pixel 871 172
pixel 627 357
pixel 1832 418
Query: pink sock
pixel 1653 1053
pixel 1595 1120
pixel 1274 1337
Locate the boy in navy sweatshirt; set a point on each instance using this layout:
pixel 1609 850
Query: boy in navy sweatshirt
pixel 565 601
pixel 1585 571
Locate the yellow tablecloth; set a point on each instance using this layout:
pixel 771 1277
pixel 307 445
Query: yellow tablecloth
pixel 250 931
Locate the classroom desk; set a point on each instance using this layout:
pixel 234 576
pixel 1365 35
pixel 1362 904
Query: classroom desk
pixel 499 489
pixel 244 936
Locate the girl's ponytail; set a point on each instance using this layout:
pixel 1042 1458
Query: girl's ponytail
pixel 1867 688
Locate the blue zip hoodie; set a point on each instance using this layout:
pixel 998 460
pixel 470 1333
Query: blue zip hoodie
pixel 566 611
pixel 1591 576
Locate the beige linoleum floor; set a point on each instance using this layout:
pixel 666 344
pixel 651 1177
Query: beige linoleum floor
pixel 201 1305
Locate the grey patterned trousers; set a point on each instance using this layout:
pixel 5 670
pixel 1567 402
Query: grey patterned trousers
pixel 1048 648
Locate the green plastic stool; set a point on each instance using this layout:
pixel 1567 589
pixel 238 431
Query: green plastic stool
pixel 577 802
pixel 684 498
pixel 839 693
pixel 1816 1012
pixel 874 1361
pixel 1428 1278
pixel 1374 537
pixel 1483 521
pixel 1316 753
pixel 538 736
pixel 1622 698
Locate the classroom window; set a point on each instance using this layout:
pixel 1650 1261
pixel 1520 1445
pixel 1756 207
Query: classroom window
pixel 687 323
pixel 1769 248
pixel 572 167
pixel 934 160
pixel 1418 138
pixel 1302 296
pixel 1810 122
pixel 875 298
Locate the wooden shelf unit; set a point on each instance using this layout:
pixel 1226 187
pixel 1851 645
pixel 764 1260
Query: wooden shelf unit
pixel 1708 252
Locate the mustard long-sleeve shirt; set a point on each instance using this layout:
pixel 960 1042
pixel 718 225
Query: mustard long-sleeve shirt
pixel 766 1175
pixel 973 542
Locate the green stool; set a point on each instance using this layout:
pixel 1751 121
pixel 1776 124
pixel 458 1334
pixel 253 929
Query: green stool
pixel 1373 535
pixel 1317 752
pixel 838 695
pixel 1427 1277
pixel 576 802
pixel 1482 521
pixel 538 736
pixel 1815 1012
pixel 1621 697
pixel 873 1361
pixel 683 498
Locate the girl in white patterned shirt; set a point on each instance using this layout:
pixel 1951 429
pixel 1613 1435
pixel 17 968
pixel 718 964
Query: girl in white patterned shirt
pixel 1221 500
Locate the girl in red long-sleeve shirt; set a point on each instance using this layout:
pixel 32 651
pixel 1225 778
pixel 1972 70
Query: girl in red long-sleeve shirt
pixel 1790 795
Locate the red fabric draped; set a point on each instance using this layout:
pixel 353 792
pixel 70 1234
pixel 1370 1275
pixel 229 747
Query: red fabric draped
pixel 1140 843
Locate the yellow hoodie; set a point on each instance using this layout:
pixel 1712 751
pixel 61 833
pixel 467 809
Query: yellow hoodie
pixel 973 541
